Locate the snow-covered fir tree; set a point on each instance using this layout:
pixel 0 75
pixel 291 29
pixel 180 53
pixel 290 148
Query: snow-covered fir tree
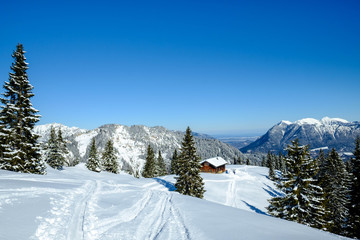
pixel 160 165
pixel 174 163
pixel 20 150
pixel 271 160
pixel 334 180
pixel 263 161
pixel 189 181
pixel 280 164
pixel 53 155
pixel 63 148
pixel 240 161
pixel 150 164
pixel 109 159
pixel 93 162
pixel 354 208
pixel 75 162
pixel 302 201
pixel 272 174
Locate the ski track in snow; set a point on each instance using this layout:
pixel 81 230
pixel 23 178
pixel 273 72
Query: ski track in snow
pixel 152 216
pixel 73 213
pixel 66 217
pixel 231 193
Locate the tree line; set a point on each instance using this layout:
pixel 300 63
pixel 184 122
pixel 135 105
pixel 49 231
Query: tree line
pixel 321 192
pixel 186 165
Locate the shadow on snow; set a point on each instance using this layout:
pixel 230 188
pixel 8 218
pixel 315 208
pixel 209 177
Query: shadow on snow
pixel 255 209
pixel 166 184
pixel 272 192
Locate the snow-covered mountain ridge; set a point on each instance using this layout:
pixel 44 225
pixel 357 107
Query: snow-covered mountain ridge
pixel 326 133
pixel 130 143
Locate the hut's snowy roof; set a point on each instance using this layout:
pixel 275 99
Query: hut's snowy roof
pixel 216 161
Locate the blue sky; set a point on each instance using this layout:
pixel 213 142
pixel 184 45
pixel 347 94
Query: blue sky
pixel 220 67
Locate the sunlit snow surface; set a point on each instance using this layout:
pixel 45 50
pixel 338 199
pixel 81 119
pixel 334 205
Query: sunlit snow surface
pixel 78 204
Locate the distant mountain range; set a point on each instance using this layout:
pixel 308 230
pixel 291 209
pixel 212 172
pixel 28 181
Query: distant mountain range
pixel 326 133
pixel 238 142
pixel 130 143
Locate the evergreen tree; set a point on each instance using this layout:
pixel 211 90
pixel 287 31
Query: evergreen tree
pixel 240 161
pixel 247 162
pixel 281 162
pixel 161 166
pixel 263 161
pixel 75 162
pixel 354 228
pixel 303 198
pixel 93 163
pixel 174 163
pixel 109 159
pixel 277 161
pixel 321 158
pixel 269 159
pixel 20 150
pixel 349 168
pixel 150 164
pixel 63 148
pixel 189 181
pixel 334 180
pixel 272 174
pixel 53 154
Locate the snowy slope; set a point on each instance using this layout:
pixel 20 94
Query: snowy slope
pixel 78 204
pixel 130 143
pixel 244 187
pixel 325 133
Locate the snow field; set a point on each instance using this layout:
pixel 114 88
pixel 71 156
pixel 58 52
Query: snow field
pixel 244 187
pixel 79 204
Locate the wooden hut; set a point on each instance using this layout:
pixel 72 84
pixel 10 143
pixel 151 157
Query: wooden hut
pixel 213 165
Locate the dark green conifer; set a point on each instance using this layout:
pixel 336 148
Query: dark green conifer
pixel 18 144
pixel 63 148
pixel 240 161
pixel 303 198
pixel 150 164
pixel 93 163
pixel 109 159
pixel 281 162
pixel 189 181
pixel 348 167
pixel 268 159
pixel 75 162
pixel 161 166
pixel 263 161
pixel 248 161
pixel 174 163
pixel 354 226
pixel 272 174
pixel 53 154
pixel 334 180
